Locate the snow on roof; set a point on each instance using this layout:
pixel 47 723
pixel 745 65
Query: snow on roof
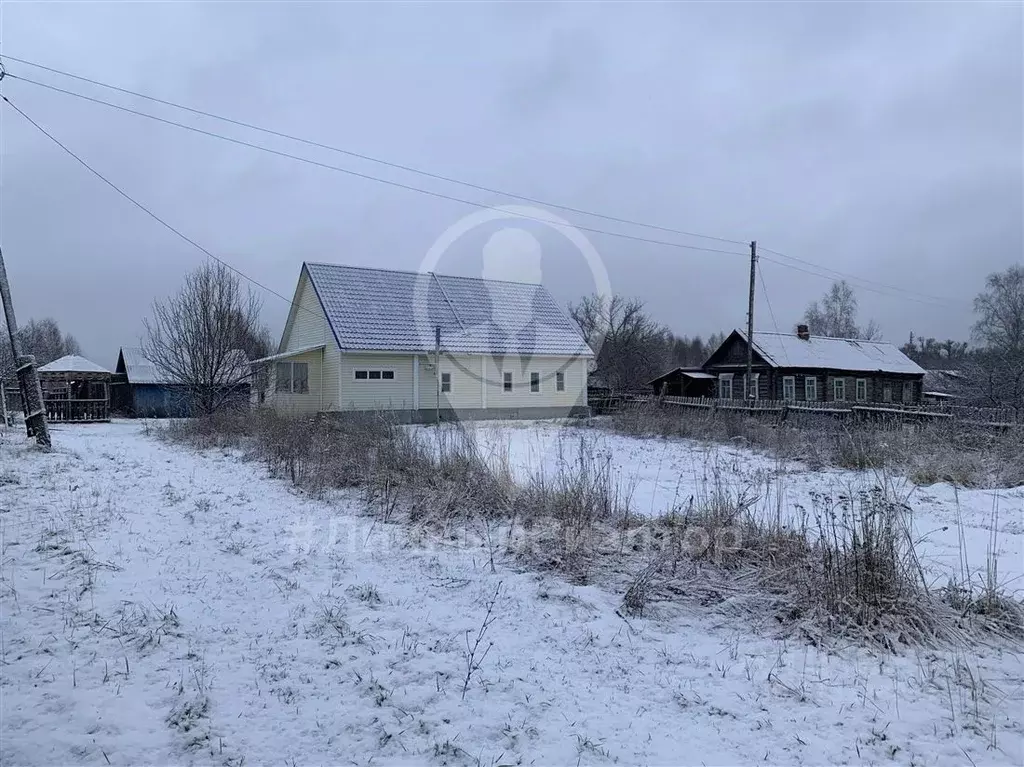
pixel 140 370
pixel 381 309
pixel 790 351
pixel 72 363
pixel 688 372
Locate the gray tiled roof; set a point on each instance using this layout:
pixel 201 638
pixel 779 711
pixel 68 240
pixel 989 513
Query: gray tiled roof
pixel 385 310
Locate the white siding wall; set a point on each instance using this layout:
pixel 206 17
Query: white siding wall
pixel 575 371
pixel 288 403
pixel 465 372
pixel 309 328
pixel 467 388
pixel 396 394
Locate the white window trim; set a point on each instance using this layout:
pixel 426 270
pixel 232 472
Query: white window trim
pixel 791 381
pixel 538 389
pixel 443 374
pixel 836 383
pixel 861 382
pixel 291 377
pixel 560 381
pixel 757 385
pixel 813 380
pixel 511 383
pixel 722 378
pixel 382 371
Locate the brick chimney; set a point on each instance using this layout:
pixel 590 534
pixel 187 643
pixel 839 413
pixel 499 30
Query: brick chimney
pixel 803 332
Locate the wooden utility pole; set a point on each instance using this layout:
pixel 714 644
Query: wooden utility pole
pixel 25 364
pixel 748 392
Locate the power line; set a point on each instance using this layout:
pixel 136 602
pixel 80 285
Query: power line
pixel 854 277
pixel 366 176
pixel 768 301
pixel 937 302
pixel 369 158
pixel 142 207
pixel 811 268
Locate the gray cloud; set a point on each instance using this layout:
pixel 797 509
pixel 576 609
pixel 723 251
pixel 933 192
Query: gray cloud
pixel 885 140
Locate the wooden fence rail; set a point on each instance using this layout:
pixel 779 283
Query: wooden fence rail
pixel 77 410
pixel 1000 417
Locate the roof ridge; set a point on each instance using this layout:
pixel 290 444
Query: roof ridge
pixel 424 274
pixel 823 338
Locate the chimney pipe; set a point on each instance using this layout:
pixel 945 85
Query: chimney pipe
pixel 803 332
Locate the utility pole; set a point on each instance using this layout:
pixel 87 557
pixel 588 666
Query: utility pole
pixel 31 393
pixel 748 392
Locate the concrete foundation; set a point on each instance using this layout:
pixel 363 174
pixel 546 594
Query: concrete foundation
pixel 448 415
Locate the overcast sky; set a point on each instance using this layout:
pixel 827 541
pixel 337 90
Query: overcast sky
pixel 882 140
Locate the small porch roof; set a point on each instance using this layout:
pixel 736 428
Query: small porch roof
pixel 286 355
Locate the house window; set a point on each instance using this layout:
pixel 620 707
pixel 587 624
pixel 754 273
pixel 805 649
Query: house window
pixel 908 392
pixel 283 377
pixel 559 381
pixel 725 386
pixel 839 389
pixel 887 393
pixel 753 391
pixel 292 377
pixel 446 383
pixel 810 388
pixel 374 375
pixel 534 382
pixel 789 388
pixel 506 382
pixel 862 389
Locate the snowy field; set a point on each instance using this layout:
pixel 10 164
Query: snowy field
pixel 953 525
pixel 164 606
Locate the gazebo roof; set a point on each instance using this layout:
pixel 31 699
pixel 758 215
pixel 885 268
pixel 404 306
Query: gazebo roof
pixel 72 363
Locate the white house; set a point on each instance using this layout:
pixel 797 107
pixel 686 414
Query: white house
pixel 425 345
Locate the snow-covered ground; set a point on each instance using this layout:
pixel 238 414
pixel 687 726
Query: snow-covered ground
pixel 164 606
pixel 953 525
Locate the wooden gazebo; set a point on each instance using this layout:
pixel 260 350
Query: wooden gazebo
pixel 75 390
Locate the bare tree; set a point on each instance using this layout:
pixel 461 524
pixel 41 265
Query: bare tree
pixel 630 347
pixel 41 338
pixel 199 337
pixel 998 374
pixel 836 315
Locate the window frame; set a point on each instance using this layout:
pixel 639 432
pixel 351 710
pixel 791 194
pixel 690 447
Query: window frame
pixel 506 383
pixel 790 383
pixel 560 380
pixel 838 383
pixel 757 386
pixel 813 380
pixel 722 379
pixel 363 375
pixel 534 382
pixel 908 392
pixel 292 378
pixel 861 384
pixel 446 382
pixel 887 392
